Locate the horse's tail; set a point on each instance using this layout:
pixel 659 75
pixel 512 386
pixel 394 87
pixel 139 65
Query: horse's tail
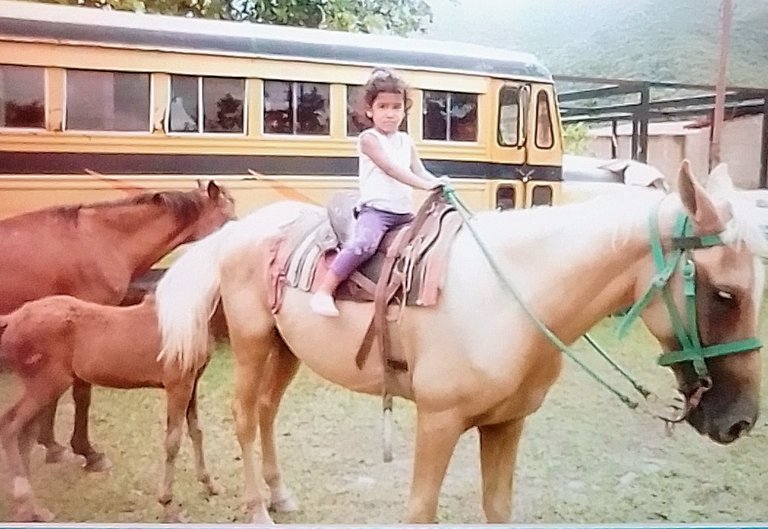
pixel 187 294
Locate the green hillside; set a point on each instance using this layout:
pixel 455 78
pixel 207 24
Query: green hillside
pixel 664 40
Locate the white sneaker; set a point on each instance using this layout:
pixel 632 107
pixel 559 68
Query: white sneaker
pixel 323 304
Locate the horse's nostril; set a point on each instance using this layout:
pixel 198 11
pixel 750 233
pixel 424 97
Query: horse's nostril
pixel 739 428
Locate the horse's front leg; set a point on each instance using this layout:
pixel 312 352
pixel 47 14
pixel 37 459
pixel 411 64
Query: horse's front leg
pixel 498 454
pixel 54 452
pixel 436 437
pixel 81 444
pixel 282 368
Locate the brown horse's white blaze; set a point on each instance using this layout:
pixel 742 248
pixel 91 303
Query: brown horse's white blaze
pixel 475 359
pixel 92 251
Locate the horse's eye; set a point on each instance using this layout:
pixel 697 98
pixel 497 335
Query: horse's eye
pixel 724 295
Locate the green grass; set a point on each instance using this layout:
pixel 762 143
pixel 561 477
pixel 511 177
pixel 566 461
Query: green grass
pixel 584 457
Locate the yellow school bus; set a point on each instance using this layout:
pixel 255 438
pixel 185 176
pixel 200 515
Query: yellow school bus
pixel 95 104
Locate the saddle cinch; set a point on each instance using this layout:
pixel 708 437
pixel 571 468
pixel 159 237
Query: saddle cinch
pixel 406 270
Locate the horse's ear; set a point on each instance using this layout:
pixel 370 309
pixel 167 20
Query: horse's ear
pixel 719 182
pixel 213 190
pixel 698 203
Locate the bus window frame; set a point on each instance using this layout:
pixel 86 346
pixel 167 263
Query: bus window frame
pixel 200 132
pixel 294 102
pixel 432 141
pixel 125 133
pixel 550 123
pixel 46 104
pixel 523 108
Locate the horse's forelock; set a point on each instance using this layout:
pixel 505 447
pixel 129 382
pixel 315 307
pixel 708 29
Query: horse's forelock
pixel 744 228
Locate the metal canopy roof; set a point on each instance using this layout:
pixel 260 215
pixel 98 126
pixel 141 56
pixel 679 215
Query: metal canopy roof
pixel 607 100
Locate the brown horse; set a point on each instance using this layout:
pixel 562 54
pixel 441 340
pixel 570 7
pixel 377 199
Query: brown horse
pixel 53 341
pixel 476 359
pixel 92 251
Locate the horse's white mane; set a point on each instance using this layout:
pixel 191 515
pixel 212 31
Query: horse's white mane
pixel 627 212
pixel 744 226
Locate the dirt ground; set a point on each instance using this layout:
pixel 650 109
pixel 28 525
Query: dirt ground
pixel 584 458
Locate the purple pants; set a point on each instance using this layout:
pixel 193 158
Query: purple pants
pixel 372 225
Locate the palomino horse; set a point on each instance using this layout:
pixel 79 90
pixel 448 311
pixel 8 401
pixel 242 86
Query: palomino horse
pixel 92 251
pixel 475 359
pixel 53 341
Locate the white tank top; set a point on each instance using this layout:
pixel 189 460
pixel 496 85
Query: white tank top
pixel 378 189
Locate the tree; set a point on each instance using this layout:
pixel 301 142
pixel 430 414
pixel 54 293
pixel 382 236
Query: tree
pixel 575 137
pixel 367 16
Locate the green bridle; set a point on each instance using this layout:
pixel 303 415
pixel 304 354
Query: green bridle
pixel 684 242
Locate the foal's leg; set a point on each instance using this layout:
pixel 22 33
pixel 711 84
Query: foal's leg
pixel 94 461
pixel 196 434
pixel 436 437
pixel 54 452
pixel 282 368
pixel 15 438
pixel 177 396
pixel 498 453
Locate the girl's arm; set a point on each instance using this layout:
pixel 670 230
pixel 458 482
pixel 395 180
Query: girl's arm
pixel 417 166
pixel 370 146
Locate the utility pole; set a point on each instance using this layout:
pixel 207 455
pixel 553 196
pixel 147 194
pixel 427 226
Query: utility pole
pixel 726 13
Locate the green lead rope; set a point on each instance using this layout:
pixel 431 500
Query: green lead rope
pixel 465 214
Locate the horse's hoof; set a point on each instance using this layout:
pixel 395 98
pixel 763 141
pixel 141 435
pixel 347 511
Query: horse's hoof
pixel 30 513
pixel 284 505
pixel 97 463
pixel 258 516
pixel 41 514
pixel 173 514
pixel 58 454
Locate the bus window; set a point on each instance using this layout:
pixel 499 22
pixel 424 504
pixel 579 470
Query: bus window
pixel 222 102
pixel 506 197
pixel 541 196
pixel 22 96
pixel 463 117
pixel 450 116
pixel 107 101
pixel 296 108
pixel 355 122
pixel 544 138
pixel 183 112
pixel 509 116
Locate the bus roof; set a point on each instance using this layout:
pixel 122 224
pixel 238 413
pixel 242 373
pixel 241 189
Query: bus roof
pixel 31 21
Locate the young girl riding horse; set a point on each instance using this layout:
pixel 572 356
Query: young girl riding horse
pixel 389 169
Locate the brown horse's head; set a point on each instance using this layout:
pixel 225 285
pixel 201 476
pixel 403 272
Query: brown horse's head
pixel 721 386
pixel 218 207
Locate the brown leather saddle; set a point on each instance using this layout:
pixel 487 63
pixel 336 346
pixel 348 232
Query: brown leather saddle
pixel 407 268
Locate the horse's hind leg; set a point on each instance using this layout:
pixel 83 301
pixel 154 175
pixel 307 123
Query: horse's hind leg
pixel 54 452
pixel 94 461
pixel 498 453
pixel 196 434
pixel 15 436
pixel 281 369
pixel 177 397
